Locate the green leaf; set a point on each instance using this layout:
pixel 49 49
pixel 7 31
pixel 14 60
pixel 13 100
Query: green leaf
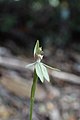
pixel 36 48
pixel 39 71
pixel 45 72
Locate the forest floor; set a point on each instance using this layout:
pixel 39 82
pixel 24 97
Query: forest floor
pixel 57 100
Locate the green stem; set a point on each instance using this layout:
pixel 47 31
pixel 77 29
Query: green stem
pixel 33 93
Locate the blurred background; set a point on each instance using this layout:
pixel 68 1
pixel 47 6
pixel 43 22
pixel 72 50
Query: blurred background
pixel 56 23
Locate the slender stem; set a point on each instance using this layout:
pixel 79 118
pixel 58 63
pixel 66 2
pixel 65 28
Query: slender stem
pixel 33 93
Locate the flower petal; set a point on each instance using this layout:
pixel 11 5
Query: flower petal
pixel 51 67
pixel 30 65
pixel 36 48
pixel 39 71
pixel 45 72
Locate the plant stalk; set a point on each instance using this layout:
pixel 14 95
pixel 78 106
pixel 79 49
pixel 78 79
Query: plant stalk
pixel 33 93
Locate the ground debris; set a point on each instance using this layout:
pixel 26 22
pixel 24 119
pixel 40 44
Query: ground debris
pixel 53 101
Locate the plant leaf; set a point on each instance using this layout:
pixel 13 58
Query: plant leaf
pixel 45 72
pixel 51 67
pixel 39 71
pixel 36 48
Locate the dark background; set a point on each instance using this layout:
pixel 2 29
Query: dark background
pixel 53 21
